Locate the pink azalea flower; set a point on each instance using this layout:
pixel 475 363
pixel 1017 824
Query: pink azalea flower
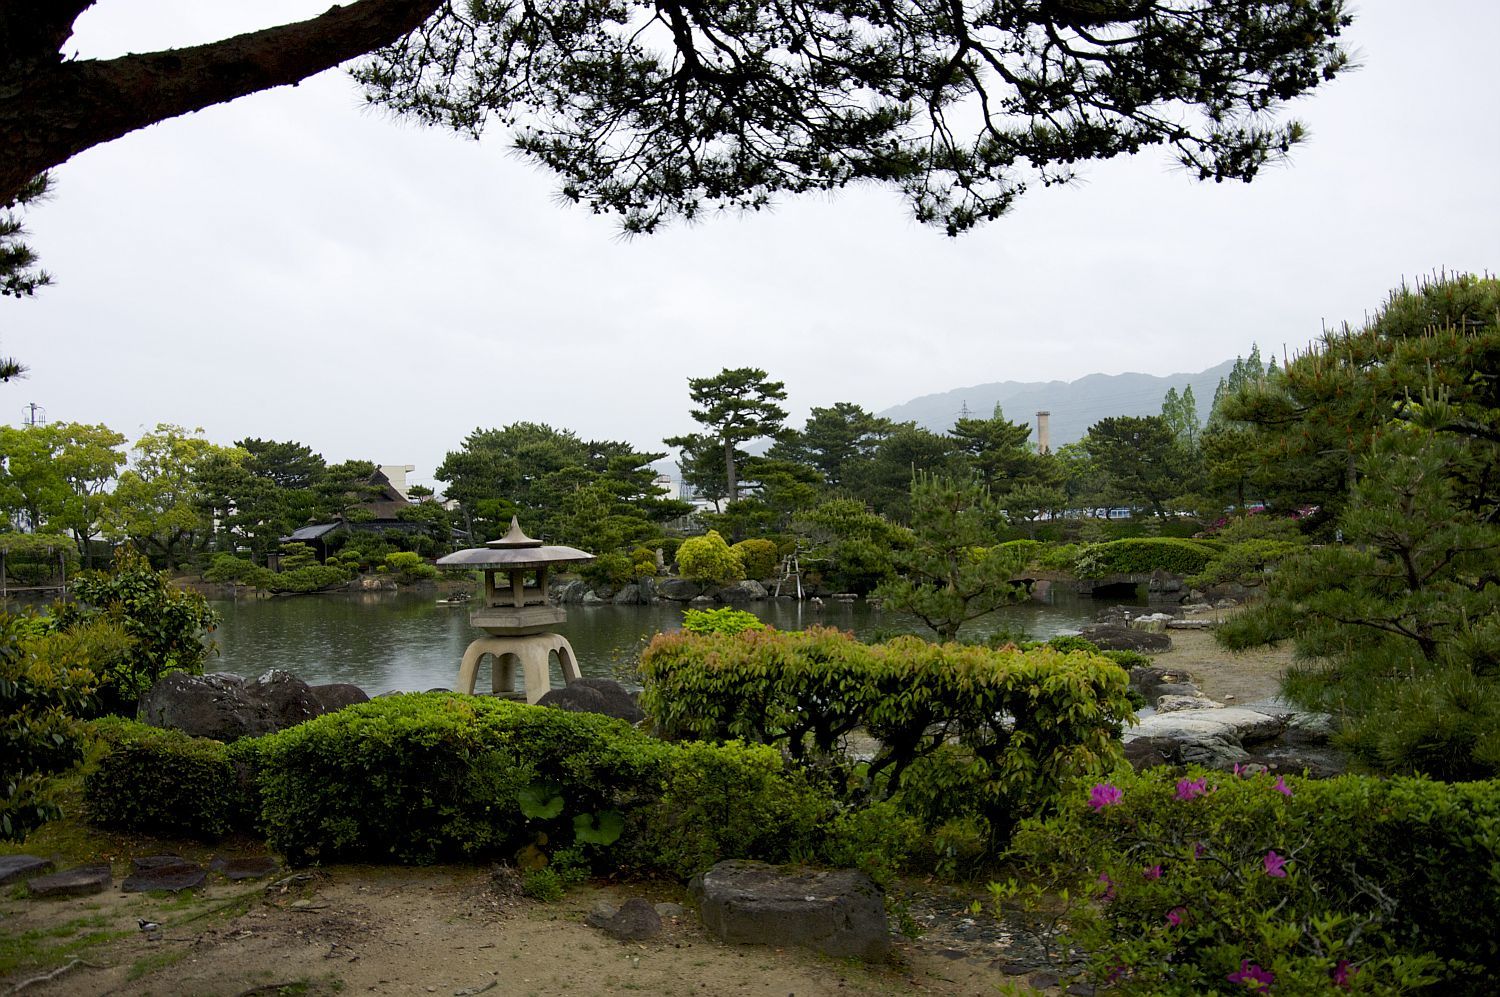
pixel 1237 771
pixel 1275 865
pixel 1109 888
pixel 1189 789
pixel 1343 974
pixel 1104 795
pixel 1253 977
pixel 1281 786
pixel 1152 872
pixel 1176 915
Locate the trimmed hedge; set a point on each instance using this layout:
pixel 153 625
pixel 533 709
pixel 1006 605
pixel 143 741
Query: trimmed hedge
pixel 1143 555
pixel 433 777
pixel 1177 885
pixel 963 730
pixel 166 782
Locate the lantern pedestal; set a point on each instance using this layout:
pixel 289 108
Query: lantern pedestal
pixel 514 611
pixel 533 652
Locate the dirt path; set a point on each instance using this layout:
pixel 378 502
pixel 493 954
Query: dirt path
pixel 1230 677
pixel 446 930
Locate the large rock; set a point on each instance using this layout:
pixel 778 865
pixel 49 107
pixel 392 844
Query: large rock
pixel 286 699
pixel 1113 637
pixel 14 868
pixel 629 595
pixel 226 707
pixel 81 881
pixel 637 920
pixel 678 589
pixel 746 591
pixel 593 695
pixel 215 706
pixel 1150 680
pixel 840 913
pixel 171 873
pixel 336 695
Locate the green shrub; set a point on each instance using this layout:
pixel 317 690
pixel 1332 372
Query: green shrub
pixel 409 567
pixel 1245 563
pixel 724 620
pixel 168 627
pixel 1020 722
pixel 425 778
pixel 615 568
pixel 309 578
pixel 731 799
pixel 40 701
pixel 758 558
pixel 1177 887
pixel 1143 555
pixel 708 560
pixel 164 782
pixel 227 569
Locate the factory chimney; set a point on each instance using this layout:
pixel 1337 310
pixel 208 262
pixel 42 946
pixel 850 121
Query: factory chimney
pixel 1043 433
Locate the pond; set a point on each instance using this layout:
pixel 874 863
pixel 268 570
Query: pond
pixel 404 641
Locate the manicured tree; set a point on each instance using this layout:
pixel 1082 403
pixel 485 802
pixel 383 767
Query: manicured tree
pixel 953 573
pixel 709 560
pixel 736 406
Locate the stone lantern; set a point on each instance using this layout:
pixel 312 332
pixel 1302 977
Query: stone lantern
pixel 515 615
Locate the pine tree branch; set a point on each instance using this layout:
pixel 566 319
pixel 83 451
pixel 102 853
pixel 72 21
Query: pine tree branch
pixel 55 110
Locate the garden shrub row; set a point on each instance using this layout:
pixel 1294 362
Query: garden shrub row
pixel 1143 555
pixel 1212 882
pixel 167 782
pixel 963 731
pixel 418 779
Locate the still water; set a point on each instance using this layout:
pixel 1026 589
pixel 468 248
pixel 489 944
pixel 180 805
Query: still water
pixel 403 641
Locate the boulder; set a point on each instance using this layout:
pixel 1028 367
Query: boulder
pixel 286 699
pixel 629 595
pixel 635 921
pixel 569 592
pixel 15 868
pixel 215 706
pixel 678 589
pixel 1113 637
pixel 594 695
pixel 746 591
pixel 226 707
pixel 1150 680
pixel 336 695
pixel 839 912
pixel 1173 703
pixel 80 881
pixel 592 598
pixel 1233 722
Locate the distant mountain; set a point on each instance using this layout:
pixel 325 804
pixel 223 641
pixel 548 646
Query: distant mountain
pixel 1075 405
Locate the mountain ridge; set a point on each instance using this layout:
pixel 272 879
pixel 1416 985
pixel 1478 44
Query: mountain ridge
pixel 1074 405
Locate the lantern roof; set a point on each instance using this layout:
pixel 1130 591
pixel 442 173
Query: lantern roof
pixel 513 552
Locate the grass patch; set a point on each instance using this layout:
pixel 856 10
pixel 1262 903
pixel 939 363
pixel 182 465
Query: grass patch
pixel 44 948
pixel 160 959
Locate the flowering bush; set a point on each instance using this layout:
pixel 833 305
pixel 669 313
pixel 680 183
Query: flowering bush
pixel 1219 883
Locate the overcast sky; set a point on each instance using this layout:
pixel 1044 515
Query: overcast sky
pixel 290 266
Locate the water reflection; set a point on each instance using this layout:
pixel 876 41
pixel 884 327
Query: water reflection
pixel 402 641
